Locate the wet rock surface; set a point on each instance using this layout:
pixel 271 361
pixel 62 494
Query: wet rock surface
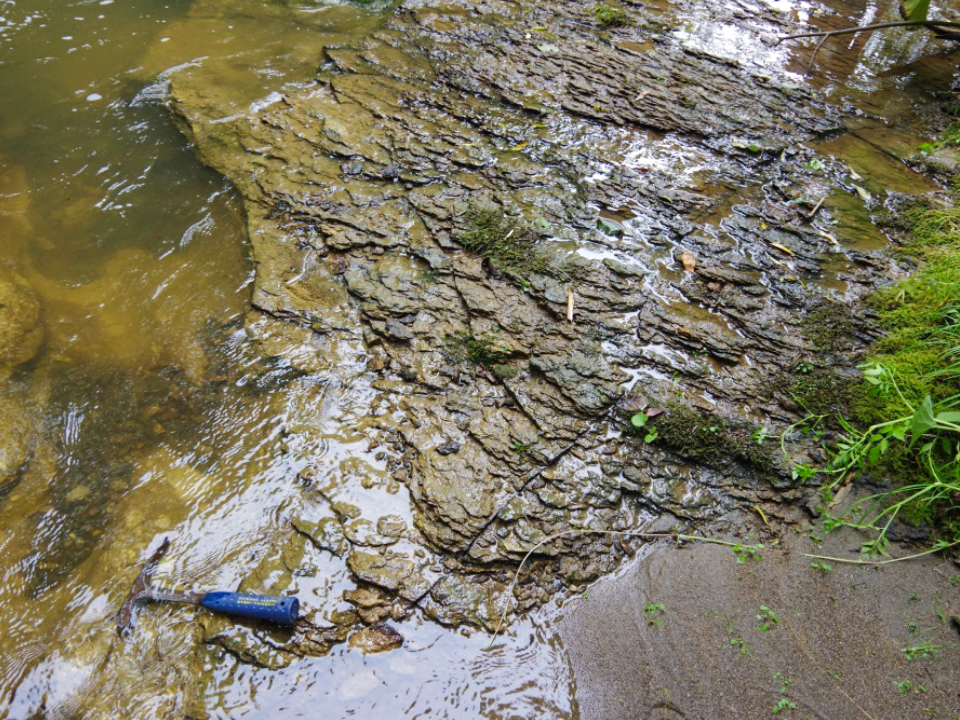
pixel 21 330
pixel 504 419
pixel 21 336
pixel 377 638
pixel 16 441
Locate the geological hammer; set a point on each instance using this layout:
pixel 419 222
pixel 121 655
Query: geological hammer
pixel 280 610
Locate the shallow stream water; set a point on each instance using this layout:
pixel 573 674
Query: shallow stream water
pixel 156 415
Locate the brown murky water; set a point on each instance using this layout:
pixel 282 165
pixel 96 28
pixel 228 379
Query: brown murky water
pixel 155 415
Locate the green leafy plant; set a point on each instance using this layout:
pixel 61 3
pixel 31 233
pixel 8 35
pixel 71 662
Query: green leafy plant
pixel 950 137
pixel 905 424
pixel 907 686
pixel 653 613
pixel 914 10
pixel 784 705
pixel 822 566
pixel 785 682
pixel 928 432
pixel 803 473
pixel 767 618
pixel 747 552
pixel 640 420
pixel 922 651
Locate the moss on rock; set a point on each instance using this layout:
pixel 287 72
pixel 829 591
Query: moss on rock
pixel 710 440
pixel 830 327
pixel 608 16
pixel 510 244
pixel 477 350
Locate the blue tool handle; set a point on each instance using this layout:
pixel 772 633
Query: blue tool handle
pixel 282 610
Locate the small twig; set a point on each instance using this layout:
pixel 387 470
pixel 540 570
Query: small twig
pixel 813 59
pixel 882 562
pixel 868 28
pixel 816 207
pixel 824 34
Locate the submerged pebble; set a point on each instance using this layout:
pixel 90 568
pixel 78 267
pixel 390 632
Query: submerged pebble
pixel 377 638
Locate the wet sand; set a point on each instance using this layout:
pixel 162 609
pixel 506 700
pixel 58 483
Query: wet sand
pixel 840 638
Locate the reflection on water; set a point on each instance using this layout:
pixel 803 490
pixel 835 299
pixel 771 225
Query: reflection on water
pixel 527 677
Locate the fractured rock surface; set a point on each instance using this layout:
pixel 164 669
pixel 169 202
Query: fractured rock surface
pixel 359 187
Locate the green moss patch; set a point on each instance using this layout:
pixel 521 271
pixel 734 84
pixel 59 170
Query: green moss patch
pixel 485 350
pixel 608 16
pixel 706 439
pixel 921 317
pixel 830 327
pixel 511 245
pixel 906 429
pixel 823 391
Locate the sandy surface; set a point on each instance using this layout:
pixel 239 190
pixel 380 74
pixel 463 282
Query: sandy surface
pixel 839 639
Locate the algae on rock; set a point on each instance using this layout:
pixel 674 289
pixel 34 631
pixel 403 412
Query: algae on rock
pixel 21 329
